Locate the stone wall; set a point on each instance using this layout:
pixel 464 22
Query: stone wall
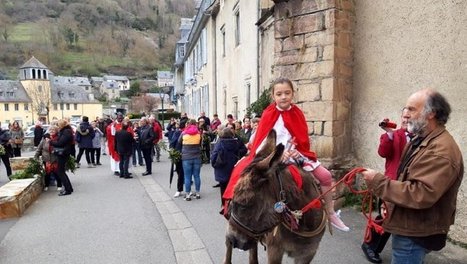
pixel 17 195
pixel 313 48
pixel 400 48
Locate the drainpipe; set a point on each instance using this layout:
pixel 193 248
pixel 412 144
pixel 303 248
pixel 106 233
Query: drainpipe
pixel 258 35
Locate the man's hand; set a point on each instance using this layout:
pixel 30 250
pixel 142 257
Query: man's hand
pixel 369 174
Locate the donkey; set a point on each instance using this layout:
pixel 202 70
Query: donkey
pixel 256 212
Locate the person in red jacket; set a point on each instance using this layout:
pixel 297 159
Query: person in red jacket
pixel 391 145
pixel 158 131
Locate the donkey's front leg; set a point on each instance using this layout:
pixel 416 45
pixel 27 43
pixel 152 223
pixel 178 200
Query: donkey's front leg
pixel 228 251
pixel 254 254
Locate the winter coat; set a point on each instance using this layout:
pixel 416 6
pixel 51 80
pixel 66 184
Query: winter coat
pixel 423 200
pixel 65 140
pixel 84 135
pixel 147 137
pixel 38 135
pixel 44 149
pixel 230 151
pixel 124 142
pixel 96 141
pixel 391 150
pixel 5 141
pixel 16 134
pixel 191 143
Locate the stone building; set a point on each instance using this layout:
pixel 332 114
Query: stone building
pixel 352 62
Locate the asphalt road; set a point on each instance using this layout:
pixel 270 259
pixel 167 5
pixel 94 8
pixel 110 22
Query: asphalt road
pixel 113 220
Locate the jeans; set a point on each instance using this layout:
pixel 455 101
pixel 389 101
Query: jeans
pixel 192 168
pixel 406 251
pixel 124 164
pixel 137 150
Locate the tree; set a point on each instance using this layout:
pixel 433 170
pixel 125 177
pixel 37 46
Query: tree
pixel 71 37
pixel 41 100
pixel 143 103
pixel 263 101
pixel 135 89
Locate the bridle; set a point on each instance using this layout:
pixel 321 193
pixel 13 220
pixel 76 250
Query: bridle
pixel 280 208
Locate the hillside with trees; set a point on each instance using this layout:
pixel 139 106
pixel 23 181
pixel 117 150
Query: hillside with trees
pixel 91 37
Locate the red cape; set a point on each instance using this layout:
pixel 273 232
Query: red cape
pixel 294 121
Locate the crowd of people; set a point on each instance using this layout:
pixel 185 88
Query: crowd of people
pixel 418 190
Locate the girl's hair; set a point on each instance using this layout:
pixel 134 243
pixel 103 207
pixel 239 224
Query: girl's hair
pixel 281 80
pixel 192 122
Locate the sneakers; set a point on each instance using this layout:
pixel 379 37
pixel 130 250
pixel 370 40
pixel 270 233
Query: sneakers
pixel 337 222
pixel 188 196
pixel 78 165
pixel 46 189
pixel 91 165
pixel 197 196
pixel 177 194
pixel 59 189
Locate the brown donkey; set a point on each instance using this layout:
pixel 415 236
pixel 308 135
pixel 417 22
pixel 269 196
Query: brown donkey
pixel 261 210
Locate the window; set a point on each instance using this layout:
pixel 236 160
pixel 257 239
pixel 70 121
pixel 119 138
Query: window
pixel 181 51
pixel 204 46
pixel 1 93
pixel 33 73
pixel 26 107
pixel 223 40
pixel 248 93
pixel 55 107
pixel 75 106
pixel 61 106
pixel 16 107
pixel 237 27
pixel 7 108
pixel 67 106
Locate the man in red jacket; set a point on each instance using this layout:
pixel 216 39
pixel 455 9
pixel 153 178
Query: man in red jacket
pixel 391 145
pixel 158 131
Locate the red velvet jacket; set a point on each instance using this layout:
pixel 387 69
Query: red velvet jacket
pixel 391 150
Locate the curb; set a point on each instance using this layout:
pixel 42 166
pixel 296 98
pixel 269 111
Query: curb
pixel 188 246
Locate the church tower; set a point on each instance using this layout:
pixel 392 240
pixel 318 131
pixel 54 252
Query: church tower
pixel 36 80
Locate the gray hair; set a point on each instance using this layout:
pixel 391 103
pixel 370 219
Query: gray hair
pixel 437 104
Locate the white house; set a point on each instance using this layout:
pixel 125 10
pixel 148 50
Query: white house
pixel 110 89
pixel 122 81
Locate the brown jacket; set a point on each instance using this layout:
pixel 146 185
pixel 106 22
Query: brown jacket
pixel 422 201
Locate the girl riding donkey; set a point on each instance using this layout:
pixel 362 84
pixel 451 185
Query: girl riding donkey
pixel 292 131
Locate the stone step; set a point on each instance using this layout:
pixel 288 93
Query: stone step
pixel 17 195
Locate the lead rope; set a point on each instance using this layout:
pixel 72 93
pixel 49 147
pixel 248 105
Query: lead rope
pixel 348 180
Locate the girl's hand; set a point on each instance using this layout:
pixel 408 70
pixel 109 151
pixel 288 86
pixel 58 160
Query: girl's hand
pixel 294 154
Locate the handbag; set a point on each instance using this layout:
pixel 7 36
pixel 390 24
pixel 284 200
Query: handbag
pixel 58 151
pixel 18 141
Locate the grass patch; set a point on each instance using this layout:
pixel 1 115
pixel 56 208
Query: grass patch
pixel 27 32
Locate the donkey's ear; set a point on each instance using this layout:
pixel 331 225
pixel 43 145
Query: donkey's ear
pixel 269 146
pixel 272 159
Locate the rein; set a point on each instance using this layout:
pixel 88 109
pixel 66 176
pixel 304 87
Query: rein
pixel 348 180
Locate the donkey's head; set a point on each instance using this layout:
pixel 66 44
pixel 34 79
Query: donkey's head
pixel 252 207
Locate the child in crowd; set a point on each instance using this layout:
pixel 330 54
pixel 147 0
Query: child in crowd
pixel 292 131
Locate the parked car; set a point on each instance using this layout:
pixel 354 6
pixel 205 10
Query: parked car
pixel 29 133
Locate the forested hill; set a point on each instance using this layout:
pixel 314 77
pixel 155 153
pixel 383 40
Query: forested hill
pixel 91 37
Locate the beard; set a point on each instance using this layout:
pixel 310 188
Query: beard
pixel 417 126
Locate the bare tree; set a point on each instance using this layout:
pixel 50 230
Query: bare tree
pixel 41 98
pixel 143 103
